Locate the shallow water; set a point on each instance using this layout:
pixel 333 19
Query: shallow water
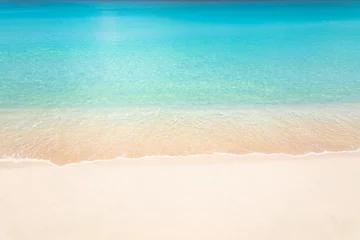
pixel 72 135
pixel 98 80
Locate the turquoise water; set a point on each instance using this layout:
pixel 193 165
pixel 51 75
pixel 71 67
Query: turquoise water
pixel 178 54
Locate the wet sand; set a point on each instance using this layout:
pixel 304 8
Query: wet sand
pixel 197 197
pixel 73 135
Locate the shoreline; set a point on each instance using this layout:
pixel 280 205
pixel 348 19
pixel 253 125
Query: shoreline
pixel 188 159
pixel 73 135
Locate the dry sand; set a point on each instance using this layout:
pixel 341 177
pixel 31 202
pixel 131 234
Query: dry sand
pixel 218 197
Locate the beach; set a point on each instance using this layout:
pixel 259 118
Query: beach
pixel 216 196
pixel 179 120
pixel 66 136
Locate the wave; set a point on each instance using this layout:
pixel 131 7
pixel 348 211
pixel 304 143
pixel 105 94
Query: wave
pixel 79 135
pixel 219 154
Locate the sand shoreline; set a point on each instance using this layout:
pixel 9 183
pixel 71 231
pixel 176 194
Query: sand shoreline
pixel 213 158
pixel 194 197
pixel 73 135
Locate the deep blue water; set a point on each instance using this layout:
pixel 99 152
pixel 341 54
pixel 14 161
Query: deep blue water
pixel 178 54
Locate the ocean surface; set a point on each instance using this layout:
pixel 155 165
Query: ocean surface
pixel 94 80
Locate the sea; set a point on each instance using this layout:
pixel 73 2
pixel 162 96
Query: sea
pixel 92 80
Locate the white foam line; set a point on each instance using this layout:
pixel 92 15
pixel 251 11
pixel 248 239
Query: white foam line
pixel 29 160
pixel 22 160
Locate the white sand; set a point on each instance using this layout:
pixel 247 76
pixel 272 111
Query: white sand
pixel 210 197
